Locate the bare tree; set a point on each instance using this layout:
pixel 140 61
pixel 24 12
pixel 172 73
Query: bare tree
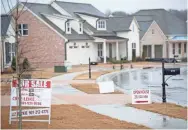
pixel 181 14
pixel 15 13
pixel 119 13
pixel 108 12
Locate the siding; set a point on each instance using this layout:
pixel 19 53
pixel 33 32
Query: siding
pixel 158 38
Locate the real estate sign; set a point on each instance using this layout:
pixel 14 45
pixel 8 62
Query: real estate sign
pixel 34 93
pixel 141 96
pixel 106 87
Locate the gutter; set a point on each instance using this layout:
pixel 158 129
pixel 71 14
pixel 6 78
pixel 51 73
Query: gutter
pixel 66 49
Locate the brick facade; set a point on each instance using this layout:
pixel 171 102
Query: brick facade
pixel 43 47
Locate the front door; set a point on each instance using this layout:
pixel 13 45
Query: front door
pixel 158 51
pixel 110 50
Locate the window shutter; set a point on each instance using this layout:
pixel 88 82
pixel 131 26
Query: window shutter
pixel 7 52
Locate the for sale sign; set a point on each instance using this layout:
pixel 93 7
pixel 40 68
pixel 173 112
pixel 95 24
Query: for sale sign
pixel 141 96
pixel 31 112
pixel 34 93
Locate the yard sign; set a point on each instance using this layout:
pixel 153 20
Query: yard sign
pixel 35 93
pixel 141 96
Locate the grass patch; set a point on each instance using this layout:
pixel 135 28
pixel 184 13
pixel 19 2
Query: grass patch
pixel 168 109
pixel 91 88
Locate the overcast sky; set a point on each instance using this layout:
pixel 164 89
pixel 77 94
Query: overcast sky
pixel 129 6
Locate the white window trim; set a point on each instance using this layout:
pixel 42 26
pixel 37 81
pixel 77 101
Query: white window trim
pixel 11 52
pixel 22 29
pixel 68 32
pixel 99 23
pixel 133 45
pixel 100 50
pixel 80 28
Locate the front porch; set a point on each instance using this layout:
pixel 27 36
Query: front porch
pixel 111 47
pixel 177 46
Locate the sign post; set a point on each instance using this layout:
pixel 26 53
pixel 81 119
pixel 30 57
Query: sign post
pixel 89 68
pixel 167 71
pixel 35 93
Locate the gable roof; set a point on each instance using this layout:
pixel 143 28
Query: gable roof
pixel 41 9
pixel 119 23
pixel 170 24
pixel 144 25
pixel 5 22
pixel 72 8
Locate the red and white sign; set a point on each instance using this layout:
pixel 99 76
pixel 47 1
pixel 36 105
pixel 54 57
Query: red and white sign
pixel 34 93
pixel 31 112
pixel 141 96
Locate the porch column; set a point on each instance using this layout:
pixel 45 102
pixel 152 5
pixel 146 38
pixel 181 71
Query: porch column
pixel 104 51
pixel 117 50
pixel 182 49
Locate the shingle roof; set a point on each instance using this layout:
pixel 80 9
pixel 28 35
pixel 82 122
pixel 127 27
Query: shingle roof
pixel 41 9
pixel 96 32
pixel 169 23
pixel 119 23
pixel 5 22
pixel 71 8
pixel 112 38
pixel 144 22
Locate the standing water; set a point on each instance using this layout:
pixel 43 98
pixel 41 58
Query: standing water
pixel 176 91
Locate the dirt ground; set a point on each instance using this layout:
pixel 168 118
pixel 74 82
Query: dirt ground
pixel 5 89
pixel 168 109
pixel 46 73
pixel 70 117
pixel 91 88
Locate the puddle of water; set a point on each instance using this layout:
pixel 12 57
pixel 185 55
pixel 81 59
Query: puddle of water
pixel 129 114
pixel 152 78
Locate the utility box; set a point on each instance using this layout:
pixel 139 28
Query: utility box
pixel 172 71
pixel 59 69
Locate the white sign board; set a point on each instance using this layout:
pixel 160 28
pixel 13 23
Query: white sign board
pixel 141 96
pixel 31 112
pixel 106 87
pixel 34 93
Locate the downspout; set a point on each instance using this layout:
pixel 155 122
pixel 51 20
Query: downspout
pixel 2 55
pixel 66 49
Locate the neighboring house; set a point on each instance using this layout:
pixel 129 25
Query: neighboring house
pixel 64 31
pixel 163 35
pixel 7 42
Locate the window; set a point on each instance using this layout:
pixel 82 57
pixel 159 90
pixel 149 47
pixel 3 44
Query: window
pixel 101 24
pixel 68 28
pixel 23 29
pixel 100 49
pixel 179 48
pixel 80 27
pixel 133 28
pixel 87 46
pixel 10 52
pixel 133 45
pixel 75 45
pixel 185 47
pixel 173 49
pixel 153 31
pixel 147 51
